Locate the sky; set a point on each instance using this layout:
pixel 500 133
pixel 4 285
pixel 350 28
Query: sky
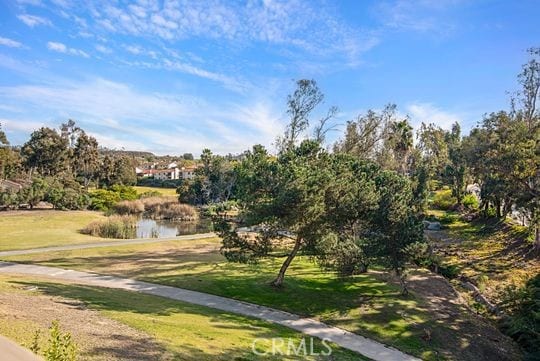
pixel 176 76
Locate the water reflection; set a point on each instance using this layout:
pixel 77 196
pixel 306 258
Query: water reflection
pixel 149 228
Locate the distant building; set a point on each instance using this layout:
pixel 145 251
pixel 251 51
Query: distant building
pixel 172 173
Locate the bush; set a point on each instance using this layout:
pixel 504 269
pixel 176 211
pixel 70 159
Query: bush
pixel 149 194
pixel 346 257
pixel 122 227
pixel 126 193
pixel 60 345
pixel 105 199
pixel 177 211
pixel 470 202
pixel 129 207
pixel 523 324
pixel 444 200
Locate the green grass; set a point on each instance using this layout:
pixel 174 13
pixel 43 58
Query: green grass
pixel 44 228
pixel 163 191
pixel 187 331
pixel 364 304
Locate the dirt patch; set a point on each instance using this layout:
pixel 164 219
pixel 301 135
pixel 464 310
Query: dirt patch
pixel 475 337
pixel 98 338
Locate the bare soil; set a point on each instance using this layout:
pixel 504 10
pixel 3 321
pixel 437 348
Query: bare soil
pixel 98 338
pixel 477 339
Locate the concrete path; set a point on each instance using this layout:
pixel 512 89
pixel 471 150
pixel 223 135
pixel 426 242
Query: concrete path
pixel 105 244
pixel 10 351
pixel 311 327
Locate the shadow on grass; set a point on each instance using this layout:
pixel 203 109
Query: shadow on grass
pixel 219 336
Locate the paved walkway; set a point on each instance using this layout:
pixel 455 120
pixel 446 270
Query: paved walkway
pixel 10 351
pixel 105 244
pixel 308 326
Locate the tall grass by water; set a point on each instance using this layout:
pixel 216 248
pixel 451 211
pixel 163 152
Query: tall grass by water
pixel 158 208
pixel 116 226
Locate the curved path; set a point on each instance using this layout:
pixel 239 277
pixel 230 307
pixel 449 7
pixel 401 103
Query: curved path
pixel 18 252
pixel 372 349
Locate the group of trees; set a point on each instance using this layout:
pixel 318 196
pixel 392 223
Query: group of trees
pixel 58 166
pixel 344 209
pixel 363 201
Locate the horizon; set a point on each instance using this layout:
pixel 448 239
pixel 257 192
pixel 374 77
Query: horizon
pixel 174 77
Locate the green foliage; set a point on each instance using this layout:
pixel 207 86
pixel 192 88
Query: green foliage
pixel 523 323
pixel 34 345
pixel 105 199
pixel 60 345
pixel 470 202
pixel 161 183
pixel 443 199
pixel 46 151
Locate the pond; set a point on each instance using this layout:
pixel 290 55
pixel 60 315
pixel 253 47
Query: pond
pixel 150 228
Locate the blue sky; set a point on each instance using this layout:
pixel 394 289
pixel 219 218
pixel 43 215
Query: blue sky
pixel 174 76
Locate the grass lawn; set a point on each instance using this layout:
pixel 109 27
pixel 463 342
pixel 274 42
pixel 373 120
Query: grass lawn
pixel 163 191
pixel 43 228
pixel 187 332
pixel 364 304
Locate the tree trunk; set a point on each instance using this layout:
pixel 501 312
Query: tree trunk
pixel 278 282
pixel 402 282
pixel 537 238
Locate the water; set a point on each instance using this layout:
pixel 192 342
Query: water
pixel 150 228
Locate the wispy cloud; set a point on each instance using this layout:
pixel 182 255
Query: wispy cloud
pixel 428 113
pixel 62 48
pixel 10 43
pixel 311 26
pixel 416 15
pixel 124 117
pixel 34 20
pixel 103 49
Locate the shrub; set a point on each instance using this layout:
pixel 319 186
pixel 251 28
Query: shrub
pixel 149 194
pixel 105 199
pixel 444 200
pixel 123 227
pixel 102 200
pixel 125 192
pixel 470 202
pixel 60 345
pixel 177 211
pixel 129 207
pixel 523 324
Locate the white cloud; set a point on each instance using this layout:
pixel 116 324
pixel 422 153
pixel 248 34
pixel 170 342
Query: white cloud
pixel 62 48
pixel 301 24
pixel 416 15
pixel 28 126
pixel 10 43
pixel 103 49
pixel 33 20
pixel 428 113
pixel 121 116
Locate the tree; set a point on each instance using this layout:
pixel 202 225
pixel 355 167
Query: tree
pixel 9 159
pixel 300 104
pixel 400 139
pixel 46 151
pixel 394 225
pixel 433 148
pixel 284 199
pixel 455 170
pixel 124 171
pixel 365 136
pixel 188 156
pixel 85 158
